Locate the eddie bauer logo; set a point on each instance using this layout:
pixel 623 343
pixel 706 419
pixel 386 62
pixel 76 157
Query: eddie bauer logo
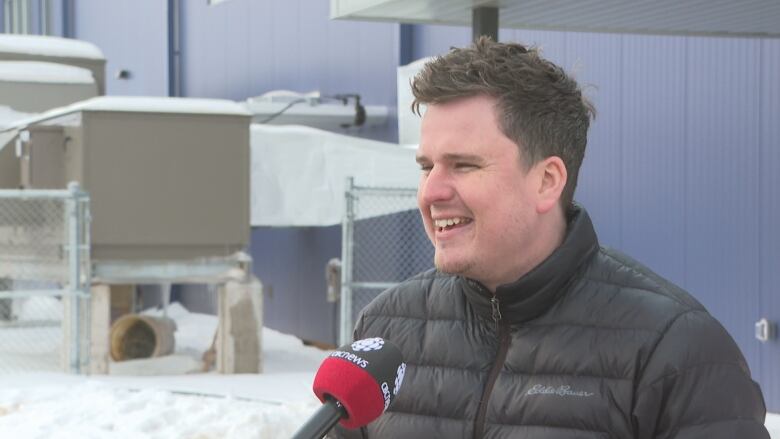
pixel 540 389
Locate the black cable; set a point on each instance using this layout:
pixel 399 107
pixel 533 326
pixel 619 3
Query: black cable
pixel 280 112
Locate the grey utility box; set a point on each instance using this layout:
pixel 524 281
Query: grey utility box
pixel 34 86
pixel 168 177
pixel 55 50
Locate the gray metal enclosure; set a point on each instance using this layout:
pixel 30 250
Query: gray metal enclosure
pixel 35 96
pixel 164 185
pixel 40 97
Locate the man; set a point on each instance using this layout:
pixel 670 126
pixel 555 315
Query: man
pixel 528 328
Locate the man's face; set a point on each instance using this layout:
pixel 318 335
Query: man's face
pixel 476 199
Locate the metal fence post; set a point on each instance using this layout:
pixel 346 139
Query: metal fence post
pixel 74 272
pixel 347 247
pixel 85 221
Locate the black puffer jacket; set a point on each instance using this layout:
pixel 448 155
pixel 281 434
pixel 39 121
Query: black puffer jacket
pixel 590 344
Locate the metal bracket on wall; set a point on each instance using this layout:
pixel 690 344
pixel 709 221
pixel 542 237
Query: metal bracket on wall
pixel 765 330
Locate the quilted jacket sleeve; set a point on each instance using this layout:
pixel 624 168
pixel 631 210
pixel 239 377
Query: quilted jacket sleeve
pixel 696 384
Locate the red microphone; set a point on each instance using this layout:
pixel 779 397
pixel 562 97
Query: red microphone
pixel 356 384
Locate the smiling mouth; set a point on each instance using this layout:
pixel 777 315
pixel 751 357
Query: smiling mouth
pixel 445 224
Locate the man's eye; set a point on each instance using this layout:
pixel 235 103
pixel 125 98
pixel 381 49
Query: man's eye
pixel 465 166
pixel 426 168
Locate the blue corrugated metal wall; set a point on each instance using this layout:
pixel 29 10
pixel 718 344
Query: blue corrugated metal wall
pixel 769 211
pixel 290 261
pixel 721 184
pixel 681 165
pixel 132 35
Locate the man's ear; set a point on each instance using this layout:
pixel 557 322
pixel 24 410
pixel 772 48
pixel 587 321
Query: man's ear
pixel 552 173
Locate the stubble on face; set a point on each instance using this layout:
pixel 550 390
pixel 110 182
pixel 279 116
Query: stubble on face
pixel 455 267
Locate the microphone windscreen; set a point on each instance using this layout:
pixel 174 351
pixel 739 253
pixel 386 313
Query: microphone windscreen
pixel 364 377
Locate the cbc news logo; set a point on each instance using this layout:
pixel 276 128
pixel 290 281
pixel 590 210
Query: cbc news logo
pixel 368 344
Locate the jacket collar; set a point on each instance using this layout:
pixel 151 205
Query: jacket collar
pixel 535 292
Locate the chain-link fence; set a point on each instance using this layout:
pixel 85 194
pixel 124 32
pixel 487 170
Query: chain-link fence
pixel 383 243
pixel 44 279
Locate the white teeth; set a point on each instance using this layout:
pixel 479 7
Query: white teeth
pixel 441 223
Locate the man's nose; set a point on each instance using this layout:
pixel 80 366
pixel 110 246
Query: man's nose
pixel 436 187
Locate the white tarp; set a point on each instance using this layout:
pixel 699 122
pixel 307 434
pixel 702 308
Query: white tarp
pixel 299 173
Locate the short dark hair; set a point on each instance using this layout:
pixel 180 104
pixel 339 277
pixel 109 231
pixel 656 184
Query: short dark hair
pixel 540 107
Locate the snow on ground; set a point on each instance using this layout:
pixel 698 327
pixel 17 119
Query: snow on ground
pixel 56 406
pixel 773 425
pixel 190 406
pixel 48 405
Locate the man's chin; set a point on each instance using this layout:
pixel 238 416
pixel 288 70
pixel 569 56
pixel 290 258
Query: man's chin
pixel 453 266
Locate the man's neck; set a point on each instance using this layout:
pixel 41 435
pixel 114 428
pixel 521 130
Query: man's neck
pixel 550 236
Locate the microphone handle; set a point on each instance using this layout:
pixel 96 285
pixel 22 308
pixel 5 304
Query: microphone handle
pixel 322 421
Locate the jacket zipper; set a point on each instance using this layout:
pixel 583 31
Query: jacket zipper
pixel 503 347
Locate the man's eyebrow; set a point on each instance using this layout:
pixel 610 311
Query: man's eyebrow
pixel 453 157
pixel 472 158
